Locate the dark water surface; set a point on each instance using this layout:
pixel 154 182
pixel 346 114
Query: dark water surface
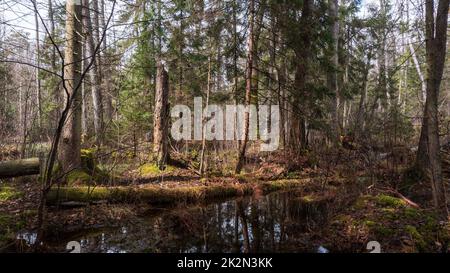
pixel 278 222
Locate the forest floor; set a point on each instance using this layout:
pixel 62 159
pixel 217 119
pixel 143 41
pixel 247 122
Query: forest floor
pixel 363 193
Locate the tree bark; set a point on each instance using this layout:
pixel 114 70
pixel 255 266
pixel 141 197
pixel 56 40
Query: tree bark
pixel 104 67
pixel 56 95
pixel 248 89
pixel 94 74
pixel 161 117
pixel 70 146
pixel 436 37
pixel 235 63
pixel 21 167
pixel 83 96
pixel 359 123
pixel 208 90
pixel 332 74
pixel 38 63
pixel 255 66
pixel 423 84
pixel 298 124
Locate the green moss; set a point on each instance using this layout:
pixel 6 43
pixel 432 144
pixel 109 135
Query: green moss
pixel 8 227
pixel 88 159
pixel 293 175
pixel 411 230
pixel 89 173
pixel 389 214
pixel 389 219
pixel 369 223
pixel 376 227
pixel 308 198
pixel 383 231
pixel 153 169
pixel 78 177
pixel 4 220
pixel 418 239
pixel 412 213
pixel 194 154
pixel 9 193
pixel 149 169
pixel 389 201
pixel 158 195
pixel 152 195
pixel 277 185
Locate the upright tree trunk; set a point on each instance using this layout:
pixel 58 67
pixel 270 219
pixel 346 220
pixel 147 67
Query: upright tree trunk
pixel 38 63
pixel 56 94
pixel 421 158
pixel 69 151
pixel 180 56
pixel 332 74
pixel 436 37
pixel 93 73
pixel 83 94
pixel 248 89
pixel 283 102
pixel 255 73
pixel 25 123
pixel 161 117
pixel 235 52
pixel 359 123
pixel 208 89
pixel 298 123
pixel 383 58
pixel 423 83
pixel 105 67
pixel 235 63
pixel 52 32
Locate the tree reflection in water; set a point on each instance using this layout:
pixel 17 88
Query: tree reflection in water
pixel 278 222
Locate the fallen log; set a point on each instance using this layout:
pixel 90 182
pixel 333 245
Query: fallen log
pixel 20 167
pixel 156 195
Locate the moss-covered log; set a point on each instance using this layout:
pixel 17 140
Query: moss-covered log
pixel 157 195
pixel 21 167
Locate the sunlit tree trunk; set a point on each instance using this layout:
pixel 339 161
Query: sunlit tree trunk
pixel 56 94
pixel 248 89
pixel 105 67
pixel 38 63
pixel 95 80
pixel 69 151
pixel 161 117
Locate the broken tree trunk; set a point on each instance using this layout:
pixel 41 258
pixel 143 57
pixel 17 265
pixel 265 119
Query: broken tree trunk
pixel 161 117
pixel 21 167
